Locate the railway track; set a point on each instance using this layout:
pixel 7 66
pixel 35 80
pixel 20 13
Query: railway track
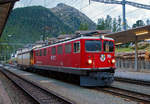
pixel 132 81
pixel 136 96
pixel 39 94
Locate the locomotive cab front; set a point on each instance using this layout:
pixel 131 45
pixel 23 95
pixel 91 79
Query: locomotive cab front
pixel 98 54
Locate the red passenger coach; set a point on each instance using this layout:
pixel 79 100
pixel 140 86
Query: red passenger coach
pixel 92 58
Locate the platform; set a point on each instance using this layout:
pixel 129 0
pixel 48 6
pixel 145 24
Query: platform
pixel 4 98
pixel 80 95
pixel 122 73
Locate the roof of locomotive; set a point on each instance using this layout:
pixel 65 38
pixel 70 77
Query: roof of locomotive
pixel 73 39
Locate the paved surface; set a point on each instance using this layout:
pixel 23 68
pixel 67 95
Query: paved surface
pixel 133 75
pixel 80 95
pixel 85 95
pixel 132 87
pixel 4 98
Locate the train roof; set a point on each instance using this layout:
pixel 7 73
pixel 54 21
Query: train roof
pixel 74 39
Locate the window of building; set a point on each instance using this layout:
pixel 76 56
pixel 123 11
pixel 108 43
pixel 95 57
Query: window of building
pixel 93 45
pixel 53 50
pixel 76 47
pixel 40 53
pixel 108 46
pixel 45 52
pixel 68 48
pixel 60 49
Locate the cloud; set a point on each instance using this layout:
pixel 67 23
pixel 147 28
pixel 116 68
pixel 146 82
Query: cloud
pixel 99 10
pixel 96 10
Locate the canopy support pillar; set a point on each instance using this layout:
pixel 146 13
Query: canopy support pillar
pixel 136 55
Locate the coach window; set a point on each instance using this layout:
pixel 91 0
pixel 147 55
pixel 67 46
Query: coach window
pixel 68 48
pixel 53 50
pixel 40 52
pixel 76 47
pixel 45 52
pixel 108 46
pixel 36 52
pixel 60 49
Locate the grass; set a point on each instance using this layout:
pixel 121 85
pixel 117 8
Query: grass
pixel 124 50
pixel 130 49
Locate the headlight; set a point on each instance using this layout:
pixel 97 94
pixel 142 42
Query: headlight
pixel 113 61
pixel 89 61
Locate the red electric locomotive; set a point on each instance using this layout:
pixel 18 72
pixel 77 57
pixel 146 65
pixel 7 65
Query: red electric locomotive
pixel 92 58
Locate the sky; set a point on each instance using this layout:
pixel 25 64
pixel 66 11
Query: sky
pixel 96 10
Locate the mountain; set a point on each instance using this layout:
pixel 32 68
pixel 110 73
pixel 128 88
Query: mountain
pixel 28 24
pixel 72 17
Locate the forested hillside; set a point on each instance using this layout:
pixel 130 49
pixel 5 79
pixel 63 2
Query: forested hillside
pixel 28 24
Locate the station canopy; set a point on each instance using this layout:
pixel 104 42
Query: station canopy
pixel 5 9
pixel 131 35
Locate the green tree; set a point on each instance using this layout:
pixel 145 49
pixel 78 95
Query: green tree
pixel 138 23
pixel 83 26
pixel 148 22
pixel 101 24
pixel 108 22
pixel 114 25
pixel 119 24
pixel 5 49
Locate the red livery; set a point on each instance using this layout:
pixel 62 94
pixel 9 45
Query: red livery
pixel 92 58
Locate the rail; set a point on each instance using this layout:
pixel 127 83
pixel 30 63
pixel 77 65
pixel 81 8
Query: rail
pixel 136 96
pixel 40 94
pixel 133 81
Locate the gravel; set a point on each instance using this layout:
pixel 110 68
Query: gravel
pixel 80 95
pixel 16 95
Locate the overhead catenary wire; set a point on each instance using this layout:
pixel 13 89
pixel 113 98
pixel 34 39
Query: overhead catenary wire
pixel 123 3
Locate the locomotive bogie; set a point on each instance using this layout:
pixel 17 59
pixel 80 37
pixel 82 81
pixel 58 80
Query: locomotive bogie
pixel 97 79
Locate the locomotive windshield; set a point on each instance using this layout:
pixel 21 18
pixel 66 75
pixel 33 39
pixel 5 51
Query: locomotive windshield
pixel 108 46
pixel 93 45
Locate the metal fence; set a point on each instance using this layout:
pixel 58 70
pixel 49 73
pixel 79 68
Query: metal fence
pixel 129 64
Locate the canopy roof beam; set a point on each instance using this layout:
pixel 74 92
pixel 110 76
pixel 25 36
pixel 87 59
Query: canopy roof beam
pixel 5 9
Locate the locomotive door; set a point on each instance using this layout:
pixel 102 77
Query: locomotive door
pixel 76 54
pixel 60 55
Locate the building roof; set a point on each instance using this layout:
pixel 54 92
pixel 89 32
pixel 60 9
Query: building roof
pixel 101 32
pixel 140 33
pixel 5 9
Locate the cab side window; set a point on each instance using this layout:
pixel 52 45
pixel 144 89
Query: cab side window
pixel 68 48
pixel 108 46
pixel 40 53
pixel 76 47
pixel 60 49
pixel 36 52
pixel 45 52
pixel 53 50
